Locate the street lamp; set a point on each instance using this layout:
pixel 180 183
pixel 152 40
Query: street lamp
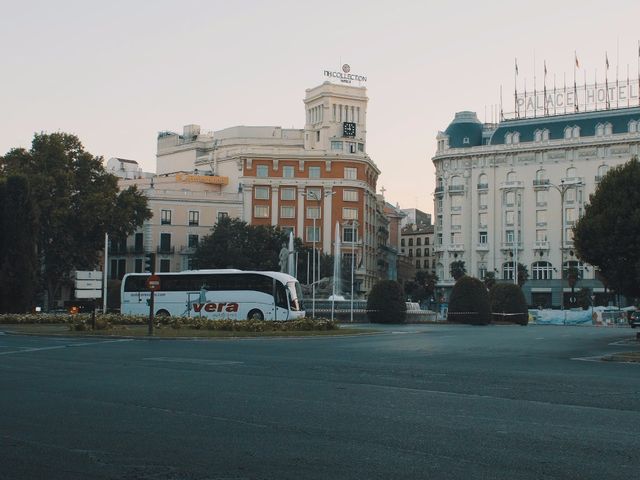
pixel 354 232
pixel 562 189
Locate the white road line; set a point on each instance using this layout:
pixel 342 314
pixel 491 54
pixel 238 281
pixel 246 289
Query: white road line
pixel 57 347
pixel 196 361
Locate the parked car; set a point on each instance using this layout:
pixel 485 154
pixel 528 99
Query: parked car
pixel 634 319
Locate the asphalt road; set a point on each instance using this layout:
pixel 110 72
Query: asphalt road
pixel 436 402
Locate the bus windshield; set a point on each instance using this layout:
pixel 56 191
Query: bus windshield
pixel 295 296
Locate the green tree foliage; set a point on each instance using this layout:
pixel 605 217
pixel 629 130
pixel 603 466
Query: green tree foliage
pixel 77 202
pixel 489 280
pixel 507 298
pixel 608 234
pixel 415 292
pixel 457 269
pixel 18 253
pixel 523 274
pixel 235 244
pixel 386 304
pixel 469 302
pixel 583 298
pixel 427 280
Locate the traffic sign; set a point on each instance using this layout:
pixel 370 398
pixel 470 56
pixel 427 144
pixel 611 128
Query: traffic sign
pixel 88 284
pixel 88 275
pixel 88 293
pixel 153 282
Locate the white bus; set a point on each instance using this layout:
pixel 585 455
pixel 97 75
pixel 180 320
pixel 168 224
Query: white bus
pixel 215 294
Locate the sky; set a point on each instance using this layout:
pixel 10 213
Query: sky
pixel 116 73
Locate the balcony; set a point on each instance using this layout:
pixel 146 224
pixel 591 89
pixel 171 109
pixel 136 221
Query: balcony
pixel 439 190
pixel 572 180
pixel 166 250
pixel 456 188
pixel 483 186
pixel 187 250
pixel 510 246
pixel 541 183
pixel 512 184
pixel 482 247
pixel 456 228
pixel 541 245
pixel 439 249
pixel 139 250
pixel 456 247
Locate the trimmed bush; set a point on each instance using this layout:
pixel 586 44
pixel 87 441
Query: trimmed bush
pixel 508 298
pixel 469 302
pixel 386 303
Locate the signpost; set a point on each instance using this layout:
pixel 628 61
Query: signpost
pixel 89 285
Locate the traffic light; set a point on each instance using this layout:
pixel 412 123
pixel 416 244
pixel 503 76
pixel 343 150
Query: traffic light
pixel 150 262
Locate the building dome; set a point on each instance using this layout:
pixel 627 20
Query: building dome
pixel 464 131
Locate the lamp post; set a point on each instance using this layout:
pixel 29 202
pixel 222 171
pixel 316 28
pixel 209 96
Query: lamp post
pixel 562 189
pixel 354 230
pixel 314 196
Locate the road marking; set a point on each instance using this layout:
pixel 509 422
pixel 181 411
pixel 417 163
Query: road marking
pixel 589 359
pixel 195 361
pixel 57 347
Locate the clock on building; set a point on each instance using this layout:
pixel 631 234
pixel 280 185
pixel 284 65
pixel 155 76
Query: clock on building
pixel 349 129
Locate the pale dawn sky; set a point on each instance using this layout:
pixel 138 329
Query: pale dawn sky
pixel 116 73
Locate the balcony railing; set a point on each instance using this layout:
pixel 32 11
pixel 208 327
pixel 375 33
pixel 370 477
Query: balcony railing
pixel 572 180
pixel 456 247
pixel 483 247
pixel 456 188
pixel 439 190
pixel 541 245
pixel 483 186
pixel 136 250
pixel 512 184
pixel 439 249
pixel 541 182
pixel 166 250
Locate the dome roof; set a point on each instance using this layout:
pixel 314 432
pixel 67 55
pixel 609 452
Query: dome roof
pixel 464 131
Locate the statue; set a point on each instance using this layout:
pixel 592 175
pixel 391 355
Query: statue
pixel 283 258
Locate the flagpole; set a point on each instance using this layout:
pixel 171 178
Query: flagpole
pixel 564 75
pixel 544 90
pixel 585 89
pixel 555 98
pixel 628 87
pixel 535 93
pixel 595 86
pixel 575 87
pixel 606 80
pixel 515 90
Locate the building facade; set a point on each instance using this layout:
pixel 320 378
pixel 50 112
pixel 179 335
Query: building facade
pixel 304 180
pixel 417 246
pixel 511 192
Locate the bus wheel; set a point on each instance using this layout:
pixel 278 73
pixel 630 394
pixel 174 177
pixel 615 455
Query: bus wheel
pixel 255 315
pixel 162 313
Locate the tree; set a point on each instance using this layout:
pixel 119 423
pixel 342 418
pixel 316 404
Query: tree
pixel 523 274
pixel 427 280
pixel 77 202
pixel 489 280
pixel 415 292
pixel 457 269
pixel 235 244
pixel 507 298
pixel 386 304
pixel 18 253
pixel 469 302
pixel 608 234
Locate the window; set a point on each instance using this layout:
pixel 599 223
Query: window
pixel 165 243
pixel 633 126
pixel 287 212
pixel 350 195
pixel 335 145
pixel 602 170
pixel 192 241
pixel 288 193
pixel 456 238
pixel 261 211
pixel 426 240
pixel 509 198
pixel 350 234
pixel 417 263
pixel 570 195
pixel 411 252
pixel 483 238
pixel 313 212
pixel 138 244
pixel 261 193
pixel 411 242
pixel 541 197
pixel 313 235
pixel 425 264
pixel 137 265
pixel 194 218
pixel 508 236
pixel 318 136
pixel 456 202
pixel 222 215
pixel 418 252
pixel 350 173
pixel 165 265
pixel 361 147
pixel 541 174
pixel 599 130
pixel 482 219
pixel 511 177
pixel 541 217
pixel 541 235
pixel 402 242
pixel 571 172
pixel 507 271
pixel 314 194
pixel 455 220
pixel 482 271
pixel 288 171
pixel 483 180
pixel 516 137
pixel 350 213
pixel 482 199
pixel 419 241
pixel 545 135
pixel 538 136
pixel 542 271
pixel 165 217
pixel 570 215
pixel 314 172
pixel 262 171
pixel 608 129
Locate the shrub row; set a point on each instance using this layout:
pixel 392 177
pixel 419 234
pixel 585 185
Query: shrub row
pixel 82 322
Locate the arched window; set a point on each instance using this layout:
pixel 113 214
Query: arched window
pixel 579 266
pixel 599 130
pixel 516 137
pixel 508 138
pixel 542 271
pixel 541 174
pixel 545 135
pixel 537 136
pixel 567 132
pixel 633 126
pixel 575 133
pixel 483 180
pixel 608 129
pixel 571 172
pixel 456 180
pixel 602 170
pixel 507 271
pixel 511 177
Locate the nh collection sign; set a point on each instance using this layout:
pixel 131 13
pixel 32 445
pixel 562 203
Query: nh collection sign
pixel 582 98
pixel 345 76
